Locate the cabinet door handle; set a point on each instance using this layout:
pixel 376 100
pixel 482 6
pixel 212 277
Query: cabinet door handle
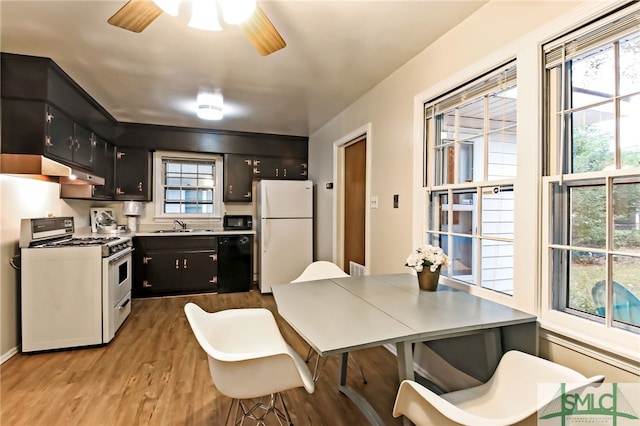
pixel 71 142
pixel 184 264
pixel 249 162
pixel 146 259
pixel 247 195
pixel 119 191
pixel 47 141
pixel 177 263
pixel 256 171
pixel 120 154
pixel 140 186
pixel 49 118
pixel 146 284
pixel 214 279
pixel 214 257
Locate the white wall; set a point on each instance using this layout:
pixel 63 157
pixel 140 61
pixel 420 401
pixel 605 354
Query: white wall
pixel 24 198
pixel 484 40
pixel 390 108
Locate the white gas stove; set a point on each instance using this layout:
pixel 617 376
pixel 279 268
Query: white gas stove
pixel 75 290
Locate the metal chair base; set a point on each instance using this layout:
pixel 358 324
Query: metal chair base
pixel 353 364
pixel 258 410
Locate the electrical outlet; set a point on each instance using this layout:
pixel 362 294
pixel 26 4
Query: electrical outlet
pixel 374 202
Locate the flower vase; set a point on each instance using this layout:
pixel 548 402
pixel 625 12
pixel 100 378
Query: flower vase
pixel 427 280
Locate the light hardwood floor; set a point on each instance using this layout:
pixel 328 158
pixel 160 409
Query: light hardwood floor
pixel 154 373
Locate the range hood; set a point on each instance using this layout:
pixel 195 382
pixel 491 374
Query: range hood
pixel 43 168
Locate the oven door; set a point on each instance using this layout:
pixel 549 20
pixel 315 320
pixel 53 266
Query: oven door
pixel 116 297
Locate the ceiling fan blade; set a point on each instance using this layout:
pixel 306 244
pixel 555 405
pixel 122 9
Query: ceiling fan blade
pixel 261 32
pixel 135 15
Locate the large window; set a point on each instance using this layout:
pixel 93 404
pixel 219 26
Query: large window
pixel 592 188
pixel 471 149
pixel 186 185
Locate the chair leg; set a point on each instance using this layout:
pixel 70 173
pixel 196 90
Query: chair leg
pixel 258 411
pixel 356 366
pixel 309 355
pixel 286 416
pixel 235 402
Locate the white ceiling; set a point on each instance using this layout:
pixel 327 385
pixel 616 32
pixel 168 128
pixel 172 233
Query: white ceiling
pixel 336 51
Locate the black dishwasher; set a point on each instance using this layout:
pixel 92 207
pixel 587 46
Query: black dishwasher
pixel 235 263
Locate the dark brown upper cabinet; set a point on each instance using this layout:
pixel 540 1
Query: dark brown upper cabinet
pixel 133 174
pixel 68 141
pixel 238 177
pixel 105 163
pixel 241 170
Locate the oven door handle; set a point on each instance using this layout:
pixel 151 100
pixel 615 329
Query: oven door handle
pixel 121 254
pixel 126 302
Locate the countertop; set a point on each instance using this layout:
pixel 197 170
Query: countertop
pixel 164 232
pixel 195 232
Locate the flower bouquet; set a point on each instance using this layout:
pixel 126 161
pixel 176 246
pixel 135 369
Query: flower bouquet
pixel 427 256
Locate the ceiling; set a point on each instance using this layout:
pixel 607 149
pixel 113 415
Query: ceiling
pixel 336 51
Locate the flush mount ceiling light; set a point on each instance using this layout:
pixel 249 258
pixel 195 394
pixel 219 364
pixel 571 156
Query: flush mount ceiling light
pixel 204 15
pixel 136 15
pixel 210 106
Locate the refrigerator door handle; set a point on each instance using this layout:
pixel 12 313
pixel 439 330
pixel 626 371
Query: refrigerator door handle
pixel 266 202
pixel 265 234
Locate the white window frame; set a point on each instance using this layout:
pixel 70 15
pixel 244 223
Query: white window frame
pixel 579 327
pixel 500 78
pixel 531 280
pixel 218 206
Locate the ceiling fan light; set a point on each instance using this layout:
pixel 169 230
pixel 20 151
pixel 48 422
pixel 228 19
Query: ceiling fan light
pixel 237 11
pixel 210 106
pixel 204 15
pixel 170 7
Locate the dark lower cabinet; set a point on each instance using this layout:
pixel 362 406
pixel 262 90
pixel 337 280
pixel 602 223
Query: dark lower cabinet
pixel 170 265
pixel 175 265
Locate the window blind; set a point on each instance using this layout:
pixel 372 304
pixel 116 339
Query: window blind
pixel 496 80
pixel 589 38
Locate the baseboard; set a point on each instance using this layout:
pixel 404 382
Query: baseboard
pixel 5 356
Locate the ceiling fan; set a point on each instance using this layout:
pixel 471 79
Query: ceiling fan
pixel 136 15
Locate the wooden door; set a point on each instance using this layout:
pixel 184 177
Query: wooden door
pixel 354 202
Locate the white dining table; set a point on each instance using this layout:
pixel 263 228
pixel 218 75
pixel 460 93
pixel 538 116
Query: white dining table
pixel 340 315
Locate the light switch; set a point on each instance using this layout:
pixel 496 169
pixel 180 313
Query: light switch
pixel 396 198
pixel 374 202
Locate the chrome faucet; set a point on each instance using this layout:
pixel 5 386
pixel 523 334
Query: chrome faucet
pixel 182 224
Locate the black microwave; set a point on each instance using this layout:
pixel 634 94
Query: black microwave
pixel 237 222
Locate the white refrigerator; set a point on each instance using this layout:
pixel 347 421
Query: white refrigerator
pixel 285 230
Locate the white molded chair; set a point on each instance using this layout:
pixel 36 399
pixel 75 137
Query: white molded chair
pixel 320 270
pixel 510 397
pixel 249 359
